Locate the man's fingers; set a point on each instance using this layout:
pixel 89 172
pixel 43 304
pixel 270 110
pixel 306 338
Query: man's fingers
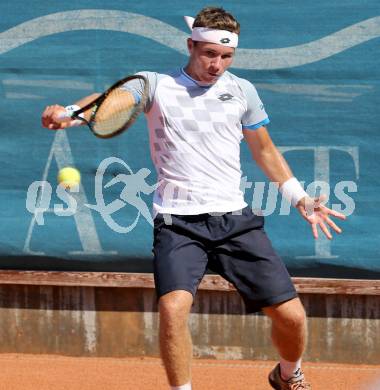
pixel 51 117
pixel 314 230
pixel 45 117
pixel 56 126
pixel 325 230
pixel 317 214
pixel 336 228
pixel 337 214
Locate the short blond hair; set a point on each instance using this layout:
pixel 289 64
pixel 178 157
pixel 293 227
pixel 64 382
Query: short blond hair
pixel 217 18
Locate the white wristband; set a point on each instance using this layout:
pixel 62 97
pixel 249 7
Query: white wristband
pixel 73 107
pixel 293 191
pixel 66 116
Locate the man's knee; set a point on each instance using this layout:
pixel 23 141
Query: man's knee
pixel 289 314
pixel 174 307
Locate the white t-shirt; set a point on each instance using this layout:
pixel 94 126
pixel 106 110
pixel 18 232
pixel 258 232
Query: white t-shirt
pixel 195 133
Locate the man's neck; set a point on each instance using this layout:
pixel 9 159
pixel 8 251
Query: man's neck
pixel 190 74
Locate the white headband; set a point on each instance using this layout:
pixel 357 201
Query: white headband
pixel 204 34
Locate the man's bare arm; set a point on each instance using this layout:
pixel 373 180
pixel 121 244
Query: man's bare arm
pixel 273 164
pixel 51 116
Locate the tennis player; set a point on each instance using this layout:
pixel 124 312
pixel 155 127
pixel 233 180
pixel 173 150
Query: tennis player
pixel 197 116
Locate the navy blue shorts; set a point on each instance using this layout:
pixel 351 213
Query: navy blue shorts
pixel 233 246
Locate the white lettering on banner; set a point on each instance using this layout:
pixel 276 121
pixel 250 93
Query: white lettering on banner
pixel 38 199
pixel 341 195
pixel 39 195
pixel 66 197
pixel 40 192
pixel 322 246
pixel 258 198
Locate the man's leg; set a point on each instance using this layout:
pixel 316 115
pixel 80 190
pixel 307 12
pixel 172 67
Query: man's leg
pixel 289 332
pixel 175 338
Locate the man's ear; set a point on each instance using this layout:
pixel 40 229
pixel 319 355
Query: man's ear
pixel 190 45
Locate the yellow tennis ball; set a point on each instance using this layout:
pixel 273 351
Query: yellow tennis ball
pixel 68 177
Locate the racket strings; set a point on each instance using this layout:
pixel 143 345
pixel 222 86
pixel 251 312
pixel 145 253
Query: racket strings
pixel 114 112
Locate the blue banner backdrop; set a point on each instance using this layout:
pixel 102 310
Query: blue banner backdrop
pixel 315 66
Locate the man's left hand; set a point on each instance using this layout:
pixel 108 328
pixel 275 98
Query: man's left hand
pixel 318 214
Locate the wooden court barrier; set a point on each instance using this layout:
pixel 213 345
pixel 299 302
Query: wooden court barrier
pixel 115 314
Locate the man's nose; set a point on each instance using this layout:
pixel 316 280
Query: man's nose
pixel 216 62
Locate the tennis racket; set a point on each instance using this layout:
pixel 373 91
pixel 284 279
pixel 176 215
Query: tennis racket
pixel 114 110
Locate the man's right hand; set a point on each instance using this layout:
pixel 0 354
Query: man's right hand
pixel 52 118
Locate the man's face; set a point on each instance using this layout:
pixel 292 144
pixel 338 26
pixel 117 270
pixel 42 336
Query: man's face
pixel 208 61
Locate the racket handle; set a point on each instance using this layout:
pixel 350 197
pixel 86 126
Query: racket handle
pixel 67 116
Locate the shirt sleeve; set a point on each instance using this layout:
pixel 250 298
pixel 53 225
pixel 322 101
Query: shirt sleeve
pixel 255 115
pixel 136 87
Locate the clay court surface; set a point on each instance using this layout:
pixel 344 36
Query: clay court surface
pixel 48 372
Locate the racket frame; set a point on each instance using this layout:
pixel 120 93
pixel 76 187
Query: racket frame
pixel 96 104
